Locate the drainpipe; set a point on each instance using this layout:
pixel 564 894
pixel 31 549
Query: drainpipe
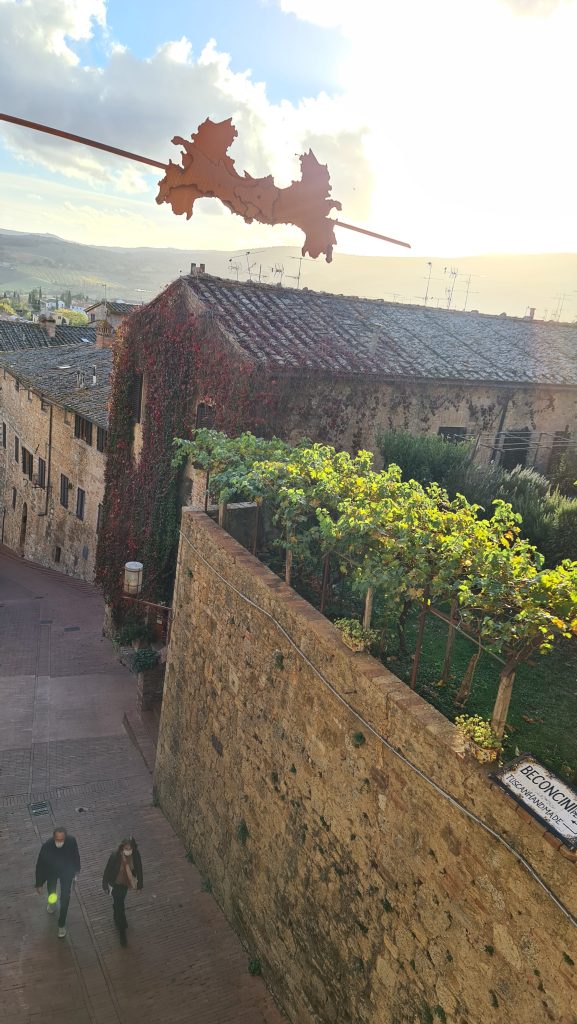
pixel 497 448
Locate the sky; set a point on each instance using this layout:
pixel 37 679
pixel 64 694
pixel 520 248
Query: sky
pixel 448 124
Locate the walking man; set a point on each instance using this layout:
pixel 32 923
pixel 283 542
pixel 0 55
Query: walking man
pixel 58 861
pixel 122 872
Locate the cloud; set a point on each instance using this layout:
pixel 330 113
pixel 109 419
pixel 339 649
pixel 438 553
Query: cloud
pixel 540 8
pixel 452 127
pixel 140 104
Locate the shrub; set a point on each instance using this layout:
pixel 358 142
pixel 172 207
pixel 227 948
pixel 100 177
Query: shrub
pixel 549 516
pixel 354 635
pixel 144 659
pixel 479 730
pixel 426 458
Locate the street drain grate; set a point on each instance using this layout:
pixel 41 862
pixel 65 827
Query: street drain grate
pixel 43 807
pixel 45 622
pixel 72 629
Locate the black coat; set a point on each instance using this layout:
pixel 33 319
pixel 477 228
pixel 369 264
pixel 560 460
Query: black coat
pixel 54 863
pixel 113 867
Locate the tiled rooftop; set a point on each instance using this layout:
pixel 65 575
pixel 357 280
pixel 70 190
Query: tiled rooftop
pixel 346 335
pixel 25 335
pixel 116 308
pixel 52 373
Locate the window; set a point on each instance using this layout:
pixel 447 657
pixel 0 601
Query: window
pixel 64 485
pixel 204 415
pixel 3 435
pixel 17 384
pixel 99 519
pixel 16 449
pixel 57 553
pixel 13 497
pixel 92 317
pixel 44 405
pixel 454 434
pixel 80 496
pixel 515 448
pixel 29 395
pixel 27 462
pixel 67 416
pixel 101 439
pixel 41 473
pixel 137 398
pixel 83 429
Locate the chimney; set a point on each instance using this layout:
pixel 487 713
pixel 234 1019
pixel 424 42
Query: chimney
pixel 48 324
pixel 531 312
pixel 104 334
pixel 93 376
pixel 196 271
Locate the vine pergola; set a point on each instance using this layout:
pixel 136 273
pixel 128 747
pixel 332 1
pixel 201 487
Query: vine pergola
pixel 403 546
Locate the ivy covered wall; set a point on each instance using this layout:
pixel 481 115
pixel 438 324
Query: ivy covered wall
pixel 184 359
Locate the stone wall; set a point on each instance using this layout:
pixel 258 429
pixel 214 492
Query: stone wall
pixel 49 526
pixel 351 413
pixel 367 895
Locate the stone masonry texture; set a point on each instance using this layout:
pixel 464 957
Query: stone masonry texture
pixel 367 895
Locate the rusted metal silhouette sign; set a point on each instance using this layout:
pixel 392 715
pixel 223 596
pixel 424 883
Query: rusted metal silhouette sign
pixel 208 170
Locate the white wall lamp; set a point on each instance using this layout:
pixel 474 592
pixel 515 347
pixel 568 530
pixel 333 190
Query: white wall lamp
pixel 133 578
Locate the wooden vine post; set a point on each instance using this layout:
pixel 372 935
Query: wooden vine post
pixel 467 680
pixel 501 708
pixel 368 612
pixel 450 643
pixel 326 576
pixel 420 635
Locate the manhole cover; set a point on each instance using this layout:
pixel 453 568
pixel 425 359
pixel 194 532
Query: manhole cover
pixel 40 808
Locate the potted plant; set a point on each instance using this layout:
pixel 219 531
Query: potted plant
pixel 356 636
pixel 484 743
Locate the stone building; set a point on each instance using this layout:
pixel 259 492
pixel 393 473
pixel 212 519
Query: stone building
pixel 54 416
pixel 348 368
pixel 337 369
pixel 113 312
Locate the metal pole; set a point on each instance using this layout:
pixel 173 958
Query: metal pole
pixel 157 163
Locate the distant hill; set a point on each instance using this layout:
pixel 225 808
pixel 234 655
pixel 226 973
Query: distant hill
pixel 498 283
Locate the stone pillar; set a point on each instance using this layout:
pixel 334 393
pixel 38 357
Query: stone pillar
pixel 149 687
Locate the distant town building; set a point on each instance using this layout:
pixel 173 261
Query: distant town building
pixel 113 312
pixel 53 419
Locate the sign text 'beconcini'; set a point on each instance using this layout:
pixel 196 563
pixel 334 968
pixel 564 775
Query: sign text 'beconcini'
pixel 545 796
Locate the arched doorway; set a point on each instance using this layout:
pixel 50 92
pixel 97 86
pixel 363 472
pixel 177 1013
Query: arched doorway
pixel 23 530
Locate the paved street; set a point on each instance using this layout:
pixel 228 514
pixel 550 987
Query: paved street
pixel 63 696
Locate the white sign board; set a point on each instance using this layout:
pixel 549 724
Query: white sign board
pixel 545 796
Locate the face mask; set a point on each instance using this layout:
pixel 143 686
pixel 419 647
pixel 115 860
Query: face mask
pixel 127 852
pixel 58 845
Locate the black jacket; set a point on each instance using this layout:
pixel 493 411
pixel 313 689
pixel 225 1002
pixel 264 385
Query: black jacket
pixel 113 867
pixel 57 863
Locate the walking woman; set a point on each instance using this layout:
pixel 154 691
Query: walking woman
pixel 122 872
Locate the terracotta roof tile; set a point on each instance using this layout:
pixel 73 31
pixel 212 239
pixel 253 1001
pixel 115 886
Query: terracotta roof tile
pixel 347 335
pixel 52 373
pixel 25 335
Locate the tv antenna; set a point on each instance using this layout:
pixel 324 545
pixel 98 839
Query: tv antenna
pixel 234 266
pixel 453 273
pixel 278 269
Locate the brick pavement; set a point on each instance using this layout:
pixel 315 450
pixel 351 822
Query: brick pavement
pixel 63 696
